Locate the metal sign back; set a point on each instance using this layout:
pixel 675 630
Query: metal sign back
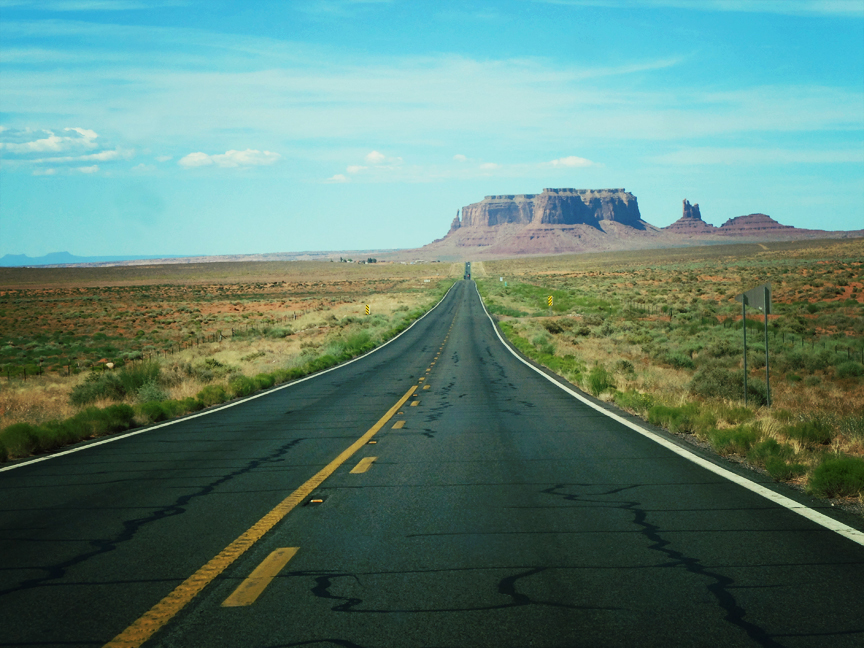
pixel 758 297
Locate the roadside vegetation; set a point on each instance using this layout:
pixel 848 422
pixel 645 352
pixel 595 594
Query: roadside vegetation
pixel 659 334
pixel 78 362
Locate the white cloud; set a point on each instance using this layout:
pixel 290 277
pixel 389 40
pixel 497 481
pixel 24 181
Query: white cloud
pixel 488 166
pixel 143 168
pixel 460 158
pixel 571 161
pixel 164 158
pixel 356 168
pixel 753 156
pixel 337 178
pixel 29 141
pixel 88 169
pixel 376 158
pixel 232 158
pixel 40 171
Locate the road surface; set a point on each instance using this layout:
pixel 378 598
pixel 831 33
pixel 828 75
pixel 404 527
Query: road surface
pixel 498 511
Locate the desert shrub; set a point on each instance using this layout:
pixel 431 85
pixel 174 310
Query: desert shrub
pixel 735 414
pixel 713 381
pixel 849 369
pixel 241 386
pixel 153 411
pixel 812 432
pixel 96 386
pixel 553 326
pixel 736 440
pixel 635 401
pixel 278 331
pixel 212 395
pixel 599 380
pixel 624 366
pixel 722 349
pixel 679 361
pixel 264 380
pixel 19 439
pixel 135 376
pixel 775 457
pixel 149 392
pixel 840 477
pixel 191 404
pixel 119 417
pixel 675 419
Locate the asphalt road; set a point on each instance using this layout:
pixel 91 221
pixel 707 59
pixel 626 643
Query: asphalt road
pixel 498 511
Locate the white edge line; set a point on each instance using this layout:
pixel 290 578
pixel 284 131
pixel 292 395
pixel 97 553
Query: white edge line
pixel 226 406
pixel 814 516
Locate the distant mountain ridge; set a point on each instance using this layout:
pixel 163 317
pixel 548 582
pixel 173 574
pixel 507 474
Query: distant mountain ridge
pixel 65 258
pixel 592 220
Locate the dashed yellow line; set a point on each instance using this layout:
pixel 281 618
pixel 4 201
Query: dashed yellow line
pixel 415 403
pixel 165 610
pixel 425 386
pixel 398 425
pixel 251 588
pixel 363 465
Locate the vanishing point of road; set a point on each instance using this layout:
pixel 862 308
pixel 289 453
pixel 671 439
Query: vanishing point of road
pixel 436 492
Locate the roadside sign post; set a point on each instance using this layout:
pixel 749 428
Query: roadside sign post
pixel 367 309
pixel 758 297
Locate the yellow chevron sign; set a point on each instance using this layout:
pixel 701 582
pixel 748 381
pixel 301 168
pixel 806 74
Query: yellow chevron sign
pixel 549 300
pixel 367 309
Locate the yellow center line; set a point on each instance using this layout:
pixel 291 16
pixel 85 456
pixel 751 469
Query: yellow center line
pixel 415 403
pixel 425 386
pixel 161 613
pixel 251 588
pixel 398 425
pixel 363 465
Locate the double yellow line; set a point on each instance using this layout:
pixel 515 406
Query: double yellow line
pixel 161 613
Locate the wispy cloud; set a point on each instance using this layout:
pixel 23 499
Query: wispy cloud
pixel 571 161
pixel 230 159
pixel 842 8
pixel 758 156
pixel 89 5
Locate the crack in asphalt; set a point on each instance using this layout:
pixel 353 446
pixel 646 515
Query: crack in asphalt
pixel 131 527
pixel 505 586
pixel 735 614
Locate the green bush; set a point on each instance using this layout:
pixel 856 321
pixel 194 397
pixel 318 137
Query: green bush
pixel 264 381
pixel 813 432
pixel 4 454
pixel 675 419
pixel 679 361
pixel 212 395
pixel 241 386
pixel 599 380
pixel 713 381
pixel 191 404
pixel 780 470
pixel 736 440
pixel 98 385
pixel 134 377
pixel 153 411
pixel 850 369
pixel 20 439
pixel 841 477
pixel 775 457
pixel 149 392
pixel 635 401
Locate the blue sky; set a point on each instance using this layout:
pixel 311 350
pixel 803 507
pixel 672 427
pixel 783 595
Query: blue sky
pixel 137 127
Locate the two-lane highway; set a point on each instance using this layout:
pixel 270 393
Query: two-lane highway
pixel 481 506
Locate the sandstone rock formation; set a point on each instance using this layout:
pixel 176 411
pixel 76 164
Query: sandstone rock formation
pixel 755 225
pixel 555 207
pixel 691 222
pixel 591 220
